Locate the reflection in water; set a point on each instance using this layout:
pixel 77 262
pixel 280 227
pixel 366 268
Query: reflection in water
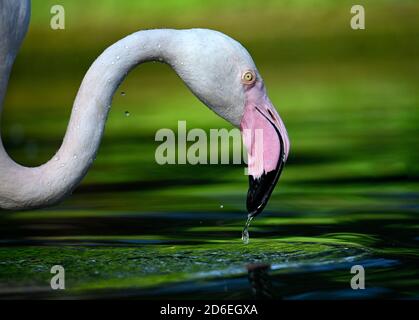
pixel 260 281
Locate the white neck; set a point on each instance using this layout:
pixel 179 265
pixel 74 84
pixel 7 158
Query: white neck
pixel 23 188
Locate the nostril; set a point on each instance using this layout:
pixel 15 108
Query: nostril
pixel 271 114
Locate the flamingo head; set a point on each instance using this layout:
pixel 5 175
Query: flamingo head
pixel 222 74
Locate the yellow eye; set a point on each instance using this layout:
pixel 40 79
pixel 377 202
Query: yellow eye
pixel 248 77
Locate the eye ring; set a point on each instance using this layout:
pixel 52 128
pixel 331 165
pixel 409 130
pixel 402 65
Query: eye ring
pixel 248 77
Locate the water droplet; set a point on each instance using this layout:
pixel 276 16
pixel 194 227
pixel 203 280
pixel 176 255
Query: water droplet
pixel 245 233
pixel 221 206
pixel 126 47
pixel 75 157
pixel 127 114
pixel 56 158
pixel 159 46
pixel 62 165
pixel 112 62
pixel 117 58
pixel 123 93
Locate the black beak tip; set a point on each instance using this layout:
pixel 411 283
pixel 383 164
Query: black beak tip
pixel 260 190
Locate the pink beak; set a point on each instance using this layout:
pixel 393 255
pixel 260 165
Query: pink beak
pixel 267 144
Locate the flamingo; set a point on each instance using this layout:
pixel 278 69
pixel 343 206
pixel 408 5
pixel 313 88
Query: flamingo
pixel 218 70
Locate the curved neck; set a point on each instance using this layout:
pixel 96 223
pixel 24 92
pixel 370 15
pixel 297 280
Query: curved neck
pixel 23 188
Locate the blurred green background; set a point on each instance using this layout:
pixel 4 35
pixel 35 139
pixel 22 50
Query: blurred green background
pixel 349 100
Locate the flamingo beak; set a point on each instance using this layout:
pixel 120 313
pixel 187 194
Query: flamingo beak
pixel 267 143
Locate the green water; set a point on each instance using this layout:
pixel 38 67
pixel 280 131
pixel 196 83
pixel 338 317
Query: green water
pixel 199 254
pixel 348 195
